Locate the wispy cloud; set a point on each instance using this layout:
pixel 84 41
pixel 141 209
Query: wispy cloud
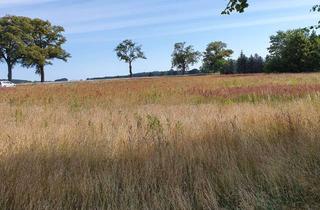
pixel 225 26
pixel 280 5
pixel 98 15
pixel 139 22
pixel 128 19
pixel 83 17
pixel 258 22
pixel 86 12
pixel 4 3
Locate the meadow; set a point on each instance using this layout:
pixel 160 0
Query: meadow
pixel 206 142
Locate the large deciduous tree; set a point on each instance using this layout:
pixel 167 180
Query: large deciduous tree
pixel 14 38
pixel 183 56
pixel 128 51
pixel 46 45
pixel 215 57
pixel 294 51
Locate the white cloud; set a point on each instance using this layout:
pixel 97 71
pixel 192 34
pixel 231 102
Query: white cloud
pixel 139 22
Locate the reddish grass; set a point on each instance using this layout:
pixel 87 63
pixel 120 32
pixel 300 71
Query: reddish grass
pixel 263 90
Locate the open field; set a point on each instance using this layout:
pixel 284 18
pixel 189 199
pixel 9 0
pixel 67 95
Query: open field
pixel 209 142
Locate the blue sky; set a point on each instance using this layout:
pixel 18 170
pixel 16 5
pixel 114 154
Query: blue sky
pixel 95 27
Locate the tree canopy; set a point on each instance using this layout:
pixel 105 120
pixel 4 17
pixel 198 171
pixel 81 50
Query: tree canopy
pixel 214 58
pixel 46 45
pixel 252 64
pixel 183 56
pixel 242 63
pixel 14 39
pixel 294 51
pixel 128 51
pixel 30 42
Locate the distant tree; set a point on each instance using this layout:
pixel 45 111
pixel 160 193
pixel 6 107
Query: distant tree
pixel 183 56
pixel 258 66
pixel 46 45
pixel 273 64
pixel 242 63
pixel 14 36
pixel 62 80
pixel 230 67
pixel 250 64
pixel 255 64
pixel 214 58
pixel 128 51
pixel 314 60
pixel 294 51
pixel 194 71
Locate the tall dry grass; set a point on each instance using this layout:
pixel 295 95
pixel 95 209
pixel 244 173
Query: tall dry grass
pixel 150 144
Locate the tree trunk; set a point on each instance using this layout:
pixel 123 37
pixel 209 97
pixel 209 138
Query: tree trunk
pixel 183 69
pixel 9 72
pixel 41 71
pixel 130 69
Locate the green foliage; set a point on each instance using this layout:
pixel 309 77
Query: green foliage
pixel 215 57
pixel 14 35
pixel 316 8
pixel 230 67
pixel 253 64
pixel 183 56
pixel 236 5
pixel 216 60
pixel 128 51
pixel 242 62
pixel 31 42
pixel 294 51
pixel 46 45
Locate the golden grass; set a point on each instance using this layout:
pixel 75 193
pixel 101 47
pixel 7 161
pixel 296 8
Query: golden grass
pixel 151 144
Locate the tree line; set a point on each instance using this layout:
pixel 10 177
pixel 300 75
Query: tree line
pixel 294 51
pixel 31 43
pixel 34 43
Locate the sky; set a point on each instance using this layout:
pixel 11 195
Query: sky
pixel 94 28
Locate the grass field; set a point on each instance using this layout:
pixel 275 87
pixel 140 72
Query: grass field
pixel 209 142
